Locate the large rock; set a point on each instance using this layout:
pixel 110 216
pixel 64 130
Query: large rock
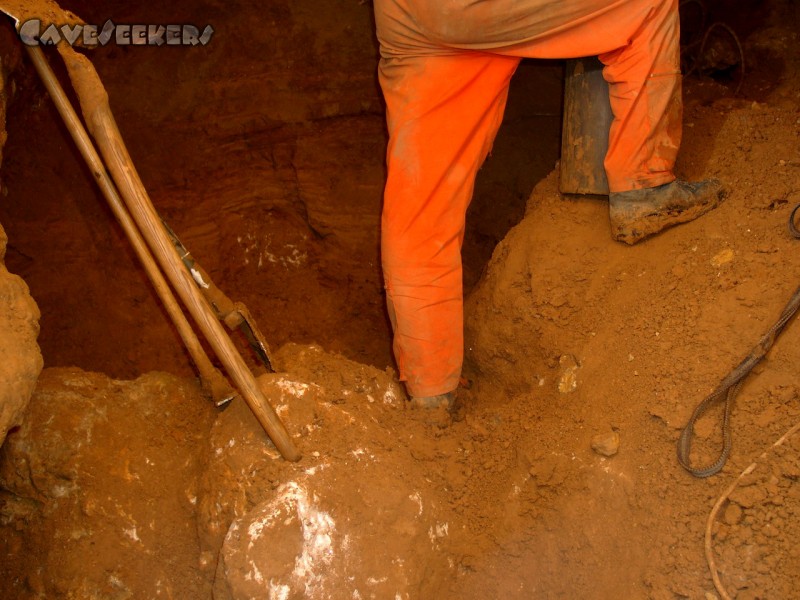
pixel 98 489
pixel 356 518
pixel 20 359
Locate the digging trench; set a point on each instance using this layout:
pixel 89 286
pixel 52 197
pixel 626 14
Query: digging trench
pixel 264 151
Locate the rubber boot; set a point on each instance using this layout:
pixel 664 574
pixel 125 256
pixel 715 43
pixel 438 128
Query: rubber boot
pixel 638 214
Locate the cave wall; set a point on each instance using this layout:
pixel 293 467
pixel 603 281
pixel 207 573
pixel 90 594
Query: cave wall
pixel 20 358
pixel 263 150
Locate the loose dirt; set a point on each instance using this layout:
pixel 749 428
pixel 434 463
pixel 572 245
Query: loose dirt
pixel 574 343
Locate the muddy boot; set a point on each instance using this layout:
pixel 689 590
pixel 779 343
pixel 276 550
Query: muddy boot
pixel 442 400
pixel 638 214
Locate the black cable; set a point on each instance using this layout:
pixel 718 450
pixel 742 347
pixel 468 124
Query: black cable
pixel 729 387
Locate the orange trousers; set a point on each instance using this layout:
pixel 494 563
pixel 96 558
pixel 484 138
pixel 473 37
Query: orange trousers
pixel 445 69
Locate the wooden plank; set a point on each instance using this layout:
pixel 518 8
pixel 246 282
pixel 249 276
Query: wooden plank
pixel 584 137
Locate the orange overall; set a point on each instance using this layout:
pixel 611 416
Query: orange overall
pixel 445 68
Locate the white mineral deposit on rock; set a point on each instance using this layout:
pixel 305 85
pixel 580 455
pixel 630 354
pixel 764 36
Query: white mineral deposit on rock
pixel 317 530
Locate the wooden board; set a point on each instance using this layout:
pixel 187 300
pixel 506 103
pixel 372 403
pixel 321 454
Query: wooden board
pixel 584 137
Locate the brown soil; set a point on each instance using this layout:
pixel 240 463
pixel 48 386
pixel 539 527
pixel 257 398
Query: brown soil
pixel 573 341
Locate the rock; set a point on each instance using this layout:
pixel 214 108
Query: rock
pixel 723 257
pixel 99 474
pixel 294 531
pixel 606 444
pixel 312 541
pixel 20 358
pixel 568 381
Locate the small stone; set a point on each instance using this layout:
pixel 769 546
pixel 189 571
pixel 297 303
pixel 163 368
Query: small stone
pixel 568 381
pixel 606 444
pixel 723 257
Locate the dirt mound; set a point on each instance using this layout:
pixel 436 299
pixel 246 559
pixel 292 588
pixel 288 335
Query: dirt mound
pixel 558 476
pixel 574 335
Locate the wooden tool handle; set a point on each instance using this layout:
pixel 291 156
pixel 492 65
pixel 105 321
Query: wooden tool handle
pixel 101 124
pixel 213 381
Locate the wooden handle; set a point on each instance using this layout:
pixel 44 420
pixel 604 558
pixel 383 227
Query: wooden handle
pixel 101 124
pixel 213 381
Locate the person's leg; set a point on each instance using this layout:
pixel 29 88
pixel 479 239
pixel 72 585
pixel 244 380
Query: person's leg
pixel 637 40
pixel 445 96
pixel 443 113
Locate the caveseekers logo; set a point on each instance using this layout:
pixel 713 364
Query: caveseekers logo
pixel 35 33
